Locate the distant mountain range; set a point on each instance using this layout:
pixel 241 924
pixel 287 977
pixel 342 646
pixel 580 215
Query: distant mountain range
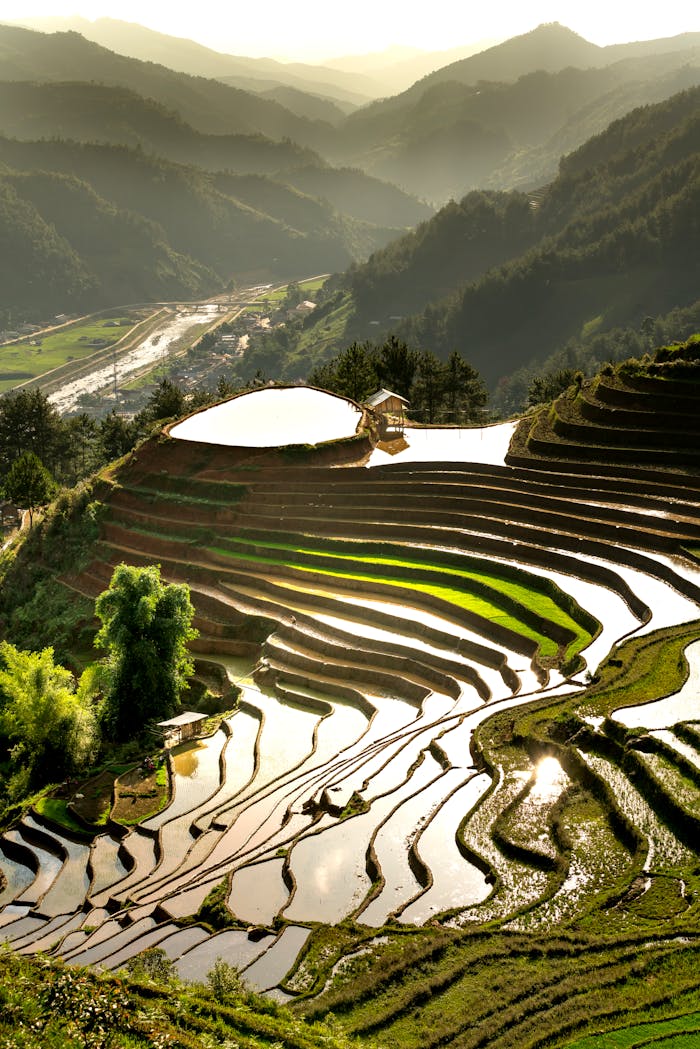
pixel 353 79
pixel 499 118
pixel 221 183
pixel 512 278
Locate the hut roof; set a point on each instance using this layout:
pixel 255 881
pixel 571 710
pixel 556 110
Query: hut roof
pixel 188 718
pixel 384 395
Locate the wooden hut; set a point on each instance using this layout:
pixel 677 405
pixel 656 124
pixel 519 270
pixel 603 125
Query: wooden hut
pixel 182 727
pixel 389 408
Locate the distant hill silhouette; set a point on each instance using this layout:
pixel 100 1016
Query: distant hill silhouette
pixel 508 278
pixel 209 105
pixel 187 56
pixel 112 224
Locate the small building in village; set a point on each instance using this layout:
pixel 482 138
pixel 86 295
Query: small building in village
pixel 180 728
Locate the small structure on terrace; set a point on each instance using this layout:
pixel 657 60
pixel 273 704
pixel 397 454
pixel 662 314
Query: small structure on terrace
pixel 389 409
pixel 184 726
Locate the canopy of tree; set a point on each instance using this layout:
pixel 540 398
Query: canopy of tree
pixel 28 483
pixel 450 392
pixel 48 723
pixel 146 625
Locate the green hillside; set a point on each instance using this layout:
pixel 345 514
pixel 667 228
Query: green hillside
pixel 90 112
pixel 128 256
pixel 511 279
pixel 35 251
pixel 96 112
pixel 141 228
pixel 510 125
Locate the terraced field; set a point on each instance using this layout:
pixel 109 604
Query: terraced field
pixel 467 744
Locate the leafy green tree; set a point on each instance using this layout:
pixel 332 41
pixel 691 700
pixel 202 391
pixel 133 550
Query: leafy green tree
pixel 324 376
pixel 30 423
pixel 146 625
pixel 396 366
pixel 465 391
pixel 224 388
pixel 45 720
pixel 428 390
pixel 29 484
pixel 550 385
pixel 81 433
pixel 355 372
pixel 116 436
pixel 293 296
pixel 224 982
pixel 166 401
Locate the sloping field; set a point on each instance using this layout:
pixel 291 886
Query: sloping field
pixel 429 813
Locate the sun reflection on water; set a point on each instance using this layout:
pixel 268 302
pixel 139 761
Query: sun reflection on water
pixel 549 779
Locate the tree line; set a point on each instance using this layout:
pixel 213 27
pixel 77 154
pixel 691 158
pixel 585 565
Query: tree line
pixel 41 451
pixel 448 391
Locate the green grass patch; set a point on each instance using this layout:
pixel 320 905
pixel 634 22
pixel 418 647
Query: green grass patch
pixel 642 669
pixel 687 1025
pixel 44 1003
pixel 56 809
pixel 21 361
pixel 462 599
pixel 320 340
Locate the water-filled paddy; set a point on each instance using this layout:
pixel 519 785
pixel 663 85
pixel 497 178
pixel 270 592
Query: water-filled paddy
pixel 467 444
pixel 456 881
pixel 272 417
pixel 233 946
pixel 329 867
pixel 277 960
pixel 258 892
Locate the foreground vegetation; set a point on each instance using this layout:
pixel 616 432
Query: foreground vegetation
pixel 46 1004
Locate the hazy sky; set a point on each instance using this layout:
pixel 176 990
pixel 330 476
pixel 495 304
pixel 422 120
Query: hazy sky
pixel 318 29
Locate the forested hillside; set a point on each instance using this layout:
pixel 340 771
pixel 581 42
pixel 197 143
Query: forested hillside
pixel 112 225
pixel 209 105
pixel 504 117
pixel 499 118
pixel 90 112
pixel 508 279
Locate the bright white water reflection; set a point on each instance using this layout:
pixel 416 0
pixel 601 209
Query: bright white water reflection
pixel 272 417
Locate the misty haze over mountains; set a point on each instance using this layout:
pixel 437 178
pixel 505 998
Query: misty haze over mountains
pixel 136 164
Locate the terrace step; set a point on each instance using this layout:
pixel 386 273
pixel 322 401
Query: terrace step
pixel 320 646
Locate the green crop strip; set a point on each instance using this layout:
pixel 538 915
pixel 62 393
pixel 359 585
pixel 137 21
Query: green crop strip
pixel 529 598
pixel 459 598
pixel 645 668
pixel 642 1034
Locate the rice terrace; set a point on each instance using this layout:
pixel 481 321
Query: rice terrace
pixel 451 792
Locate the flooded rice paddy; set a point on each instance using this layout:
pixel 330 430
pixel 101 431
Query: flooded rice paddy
pixel 349 782
pixel 272 417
